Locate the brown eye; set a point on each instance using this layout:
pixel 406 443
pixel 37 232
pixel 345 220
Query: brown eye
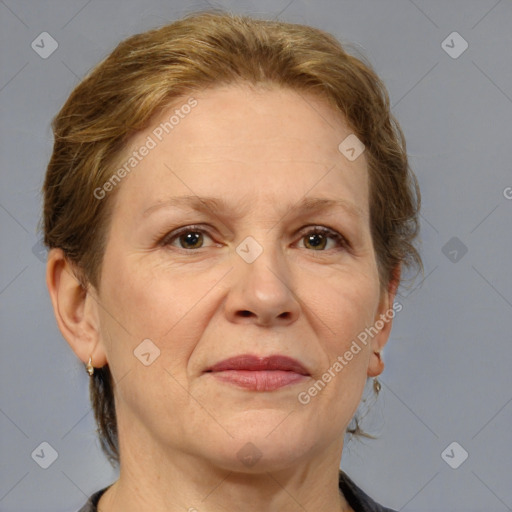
pixel 315 241
pixel 318 238
pixel 191 240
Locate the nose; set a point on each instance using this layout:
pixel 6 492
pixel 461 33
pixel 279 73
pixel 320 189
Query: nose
pixel 262 291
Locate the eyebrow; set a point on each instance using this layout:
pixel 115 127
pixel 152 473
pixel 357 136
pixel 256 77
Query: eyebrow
pixel 218 206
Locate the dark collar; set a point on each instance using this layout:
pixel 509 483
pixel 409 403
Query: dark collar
pixel 357 498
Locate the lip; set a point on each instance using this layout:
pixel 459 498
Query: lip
pixel 259 373
pixel 255 363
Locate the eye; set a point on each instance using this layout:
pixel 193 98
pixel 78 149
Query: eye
pixel 318 238
pixel 188 238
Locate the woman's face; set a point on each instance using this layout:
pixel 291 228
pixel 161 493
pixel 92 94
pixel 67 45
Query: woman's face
pixel 212 253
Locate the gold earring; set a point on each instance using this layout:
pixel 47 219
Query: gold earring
pixel 89 367
pixel 377 386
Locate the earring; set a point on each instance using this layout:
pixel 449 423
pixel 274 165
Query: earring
pixel 377 386
pixel 89 367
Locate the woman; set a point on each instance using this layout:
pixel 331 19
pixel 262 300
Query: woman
pixel 228 208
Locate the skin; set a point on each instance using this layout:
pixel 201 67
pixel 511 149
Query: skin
pixel 180 430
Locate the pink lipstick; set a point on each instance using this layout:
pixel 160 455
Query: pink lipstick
pixel 260 373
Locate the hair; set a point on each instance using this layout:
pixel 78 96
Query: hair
pixel 149 71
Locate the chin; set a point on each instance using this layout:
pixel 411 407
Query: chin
pixel 270 444
pixel 258 458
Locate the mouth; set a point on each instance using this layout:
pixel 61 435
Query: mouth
pixel 259 373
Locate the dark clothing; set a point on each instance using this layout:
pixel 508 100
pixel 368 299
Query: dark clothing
pixel 355 497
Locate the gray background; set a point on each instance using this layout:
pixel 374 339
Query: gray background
pixel 447 375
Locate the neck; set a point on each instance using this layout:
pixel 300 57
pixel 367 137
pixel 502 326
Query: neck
pixel 159 483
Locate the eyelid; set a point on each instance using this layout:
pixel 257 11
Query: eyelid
pixel 173 235
pixel 341 240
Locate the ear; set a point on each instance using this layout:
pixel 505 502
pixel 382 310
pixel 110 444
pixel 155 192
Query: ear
pixel 383 321
pixel 75 308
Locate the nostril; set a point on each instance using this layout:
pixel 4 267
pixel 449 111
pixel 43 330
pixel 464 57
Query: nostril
pixel 245 313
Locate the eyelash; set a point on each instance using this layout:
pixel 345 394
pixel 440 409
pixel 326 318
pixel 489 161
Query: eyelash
pixel 340 240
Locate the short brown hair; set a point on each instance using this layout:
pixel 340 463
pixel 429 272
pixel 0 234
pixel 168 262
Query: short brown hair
pixel 148 71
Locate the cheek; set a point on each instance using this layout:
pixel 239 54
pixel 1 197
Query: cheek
pixel 346 302
pixel 154 302
pixel 141 303
pixel 347 307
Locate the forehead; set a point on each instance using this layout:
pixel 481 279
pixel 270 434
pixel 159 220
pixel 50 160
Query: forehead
pixel 240 141
pixel 240 120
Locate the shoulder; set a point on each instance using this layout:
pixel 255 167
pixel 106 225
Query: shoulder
pixel 357 498
pixel 92 502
